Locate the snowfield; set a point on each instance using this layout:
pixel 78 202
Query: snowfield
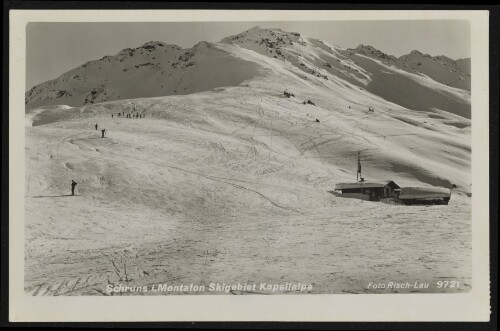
pixel 231 185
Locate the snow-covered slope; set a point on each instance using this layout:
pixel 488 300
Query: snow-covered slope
pixel 240 176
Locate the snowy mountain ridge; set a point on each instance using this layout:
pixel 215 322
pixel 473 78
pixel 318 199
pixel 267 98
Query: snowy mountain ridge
pixel 454 73
pixel 158 69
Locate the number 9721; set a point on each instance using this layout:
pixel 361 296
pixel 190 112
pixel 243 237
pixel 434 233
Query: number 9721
pixel 448 284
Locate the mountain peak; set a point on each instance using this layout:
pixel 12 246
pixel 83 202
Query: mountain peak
pixel 257 34
pixel 154 43
pixel 258 28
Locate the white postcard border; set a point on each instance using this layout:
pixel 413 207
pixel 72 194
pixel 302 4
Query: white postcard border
pixel 472 306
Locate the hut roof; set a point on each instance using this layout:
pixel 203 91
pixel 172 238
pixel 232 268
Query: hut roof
pixel 367 184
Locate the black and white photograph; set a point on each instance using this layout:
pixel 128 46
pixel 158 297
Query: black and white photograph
pixel 260 157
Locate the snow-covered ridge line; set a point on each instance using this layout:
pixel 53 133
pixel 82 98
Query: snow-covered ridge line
pixel 159 69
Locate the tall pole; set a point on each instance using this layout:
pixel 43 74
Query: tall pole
pixel 358 175
pixel 357 172
pixel 360 178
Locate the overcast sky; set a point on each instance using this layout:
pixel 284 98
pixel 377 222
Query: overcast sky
pixel 54 48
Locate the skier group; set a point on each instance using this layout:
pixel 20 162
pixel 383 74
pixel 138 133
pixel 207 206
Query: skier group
pixel 122 114
pixel 128 115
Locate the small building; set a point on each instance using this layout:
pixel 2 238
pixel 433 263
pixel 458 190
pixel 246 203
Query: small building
pixel 374 191
pixel 424 195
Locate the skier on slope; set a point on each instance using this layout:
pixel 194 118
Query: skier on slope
pixel 73 185
pixel 96 126
pixel 103 131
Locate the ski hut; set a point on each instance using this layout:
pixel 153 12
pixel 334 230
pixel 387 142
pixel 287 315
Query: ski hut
pixel 373 191
pixel 424 195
